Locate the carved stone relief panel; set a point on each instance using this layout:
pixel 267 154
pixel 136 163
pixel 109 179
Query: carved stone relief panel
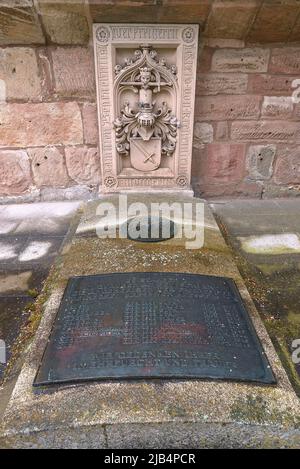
pixel 145 78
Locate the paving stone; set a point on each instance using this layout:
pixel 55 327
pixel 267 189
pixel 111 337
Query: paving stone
pixel 46 226
pixel 39 227
pixel 12 317
pixel 39 250
pixel 13 283
pixel 8 226
pixel 38 210
pixel 10 248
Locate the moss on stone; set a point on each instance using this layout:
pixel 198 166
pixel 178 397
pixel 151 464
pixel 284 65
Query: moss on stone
pixel 256 410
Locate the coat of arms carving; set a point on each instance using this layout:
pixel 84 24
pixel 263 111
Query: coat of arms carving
pixel 146 127
pixel 145 79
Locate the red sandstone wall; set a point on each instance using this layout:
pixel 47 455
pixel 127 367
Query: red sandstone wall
pixel 48 132
pixel 246 138
pixel 247 132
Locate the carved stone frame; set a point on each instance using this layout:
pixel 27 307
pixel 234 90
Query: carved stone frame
pixel 183 39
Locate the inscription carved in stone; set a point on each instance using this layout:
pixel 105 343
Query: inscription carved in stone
pixel 145 86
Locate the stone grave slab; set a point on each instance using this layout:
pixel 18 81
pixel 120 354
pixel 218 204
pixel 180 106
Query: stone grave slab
pixel 147 413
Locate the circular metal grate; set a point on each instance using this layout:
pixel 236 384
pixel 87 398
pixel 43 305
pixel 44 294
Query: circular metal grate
pixel 150 229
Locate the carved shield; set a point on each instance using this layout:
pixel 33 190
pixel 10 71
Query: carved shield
pixel 145 155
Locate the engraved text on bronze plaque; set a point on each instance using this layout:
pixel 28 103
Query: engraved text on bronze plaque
pixel 152 325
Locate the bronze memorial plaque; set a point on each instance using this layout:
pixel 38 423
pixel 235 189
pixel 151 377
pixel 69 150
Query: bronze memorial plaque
pixel 152 325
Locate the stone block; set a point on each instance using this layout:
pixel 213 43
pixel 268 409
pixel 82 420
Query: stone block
pixel 90 123
pixel 285 60
pixel 221 83
pixel 227 107
pixel 220 43
pixel 270 85
pixel 134 11
pixel 19 24
pixel 234 189
pixel 77 192
pixel 30 125
pixel 297 106
pixel 248 60
pixel 274 22
pixel 222 131
pixel 198 160
pixel 48 167
pixel 267 131
pixel 65 22
pixel 295 34
pixel 203 133
pixel 272 191
pixel 182 12
pixel 74 74
pixel 259 161
pixel 224 163
pixel 277 107
pixel 83 165
pixel 205 55
pixel 230 19
pixel 44 59
pixel 14 172
pixel 287 167
pixel 20 73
